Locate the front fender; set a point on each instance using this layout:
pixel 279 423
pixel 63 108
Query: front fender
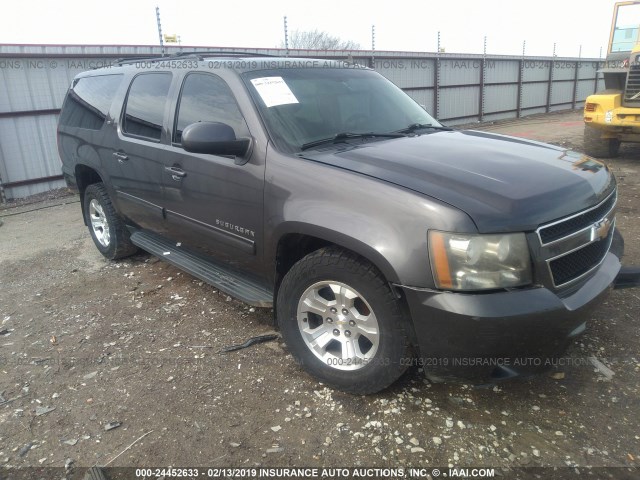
pixel 384 223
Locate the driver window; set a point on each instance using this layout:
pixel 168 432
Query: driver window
pixel 207 98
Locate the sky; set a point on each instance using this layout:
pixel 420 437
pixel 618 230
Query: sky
pixel 409 25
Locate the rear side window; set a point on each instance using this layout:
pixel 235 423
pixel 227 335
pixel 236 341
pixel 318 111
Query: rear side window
pixel 207 98
pixel 144 111
pixel 88 101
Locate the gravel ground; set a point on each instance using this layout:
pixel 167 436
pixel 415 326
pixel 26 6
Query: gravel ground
pixel 95 355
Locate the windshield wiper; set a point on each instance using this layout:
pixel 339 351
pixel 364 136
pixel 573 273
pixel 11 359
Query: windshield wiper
pixel 419 126
pixel 339 137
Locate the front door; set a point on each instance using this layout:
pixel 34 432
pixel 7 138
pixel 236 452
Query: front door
pixel 213 204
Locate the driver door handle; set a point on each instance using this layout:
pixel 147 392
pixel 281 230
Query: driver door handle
pixel 176 173
pixel 121 156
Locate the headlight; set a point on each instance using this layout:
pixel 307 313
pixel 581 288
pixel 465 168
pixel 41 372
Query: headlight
pixel 479 262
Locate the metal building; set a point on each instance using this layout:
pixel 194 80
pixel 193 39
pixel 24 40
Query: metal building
pixel 456 88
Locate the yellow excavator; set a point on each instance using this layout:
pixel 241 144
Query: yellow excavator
pixel 613 115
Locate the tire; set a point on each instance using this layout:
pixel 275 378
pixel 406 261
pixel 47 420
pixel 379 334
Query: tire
pixel 354 340
pixel 596 146
pixel 106 227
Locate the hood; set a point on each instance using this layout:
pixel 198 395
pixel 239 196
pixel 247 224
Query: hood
pixel 503 183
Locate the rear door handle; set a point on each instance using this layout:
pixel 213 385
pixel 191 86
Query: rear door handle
pixel 176 173
pixel 121 156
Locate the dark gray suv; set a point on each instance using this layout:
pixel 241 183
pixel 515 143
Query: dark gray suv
pixel 382 238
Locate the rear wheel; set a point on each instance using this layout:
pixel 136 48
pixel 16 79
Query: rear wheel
pixel 599 147
pixel 107 229
pixel 342 322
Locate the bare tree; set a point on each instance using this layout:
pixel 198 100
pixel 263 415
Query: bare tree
pixel 317 40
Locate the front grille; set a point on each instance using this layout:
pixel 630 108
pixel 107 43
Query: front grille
pixel 576 264
pixel 574 246
pixel 561 229
pixel 632 91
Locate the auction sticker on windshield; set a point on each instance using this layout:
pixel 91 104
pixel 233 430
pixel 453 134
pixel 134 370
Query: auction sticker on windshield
pixel 274 91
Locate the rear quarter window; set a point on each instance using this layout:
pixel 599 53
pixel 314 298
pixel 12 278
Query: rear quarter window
pixel 88 101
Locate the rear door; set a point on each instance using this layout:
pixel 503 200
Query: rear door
pixel 133 163
pixel 82 127
pixel 213 203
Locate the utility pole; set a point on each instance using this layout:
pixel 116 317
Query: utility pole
pixel 483 66
pixel 373 47
pixel 373 38
pixel 286 35
pixel 160 30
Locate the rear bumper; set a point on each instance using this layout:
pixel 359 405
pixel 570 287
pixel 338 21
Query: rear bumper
pixel 617 119
pixel 493 336
pixel 607 113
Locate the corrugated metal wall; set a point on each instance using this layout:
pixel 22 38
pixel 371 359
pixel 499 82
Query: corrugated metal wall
pixel 453 87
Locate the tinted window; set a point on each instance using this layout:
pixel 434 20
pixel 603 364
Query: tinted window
pixel 145 105
pixel 88 101
pixel 207 98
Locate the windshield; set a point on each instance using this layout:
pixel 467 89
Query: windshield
pixel 302 106
pixel 625 29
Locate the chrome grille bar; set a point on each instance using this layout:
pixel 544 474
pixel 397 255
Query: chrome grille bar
pixel 578 252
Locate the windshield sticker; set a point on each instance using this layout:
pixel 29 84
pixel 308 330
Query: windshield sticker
pixel 274 91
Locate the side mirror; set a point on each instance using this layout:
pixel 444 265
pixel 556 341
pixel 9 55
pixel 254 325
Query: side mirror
pixel 213 138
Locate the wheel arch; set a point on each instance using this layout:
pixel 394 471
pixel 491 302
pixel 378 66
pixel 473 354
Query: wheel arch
pixel 294 245
pixel 301 239
pixel 85 176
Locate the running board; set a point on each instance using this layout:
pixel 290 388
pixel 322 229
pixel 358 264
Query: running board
pixel 221 277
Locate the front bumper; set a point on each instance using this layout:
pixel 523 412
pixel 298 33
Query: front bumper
pixel 493 336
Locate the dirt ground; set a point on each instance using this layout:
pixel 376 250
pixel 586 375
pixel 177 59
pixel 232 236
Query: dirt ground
pixel 85 342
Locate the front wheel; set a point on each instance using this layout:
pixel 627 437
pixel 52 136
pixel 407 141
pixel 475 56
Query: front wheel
pixel 342 322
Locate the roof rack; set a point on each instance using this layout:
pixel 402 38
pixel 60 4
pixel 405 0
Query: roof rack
pixel 200 55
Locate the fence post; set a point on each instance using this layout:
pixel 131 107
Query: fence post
pixel 436 83
pixel 436 88
pixel 552 64
pixel 575 85
pixel 520 81
pixel 550 86
pixel 481 106
pixel 482 79
pixel 520 93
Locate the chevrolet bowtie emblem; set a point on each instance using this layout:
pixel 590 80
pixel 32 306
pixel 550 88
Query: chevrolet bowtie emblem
pixel 601 229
